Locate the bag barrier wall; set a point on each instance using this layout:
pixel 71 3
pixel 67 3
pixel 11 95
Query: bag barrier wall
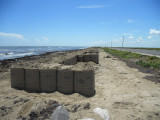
pixel 17 78
pixel 73 60
pixel 65 81
pixel 86 58
pixel 94 57
pixel 84 82
pixel 79 58
pixel 32 80
pixel 48 80
pixel 66 62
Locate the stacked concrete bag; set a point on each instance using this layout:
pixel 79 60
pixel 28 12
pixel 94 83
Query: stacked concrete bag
pixel 73 60
pixel 86 58
pixel 66 62
pixel 84 82
pixel 65 81
pixel 17 78
pixel 32 80
pixel 79 58
pixel 70 61
pixel 95 57
pixel 48 80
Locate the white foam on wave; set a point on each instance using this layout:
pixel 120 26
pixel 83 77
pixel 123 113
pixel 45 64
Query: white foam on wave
pixel 11 53
pixel 23 54
pixel 2 54
pixel 11 56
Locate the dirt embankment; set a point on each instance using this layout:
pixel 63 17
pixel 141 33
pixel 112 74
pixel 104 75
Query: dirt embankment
pixel 123 91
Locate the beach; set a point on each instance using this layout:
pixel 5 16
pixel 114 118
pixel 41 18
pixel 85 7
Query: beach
pixel 123 91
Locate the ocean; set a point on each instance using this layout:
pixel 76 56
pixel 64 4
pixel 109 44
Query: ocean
pixel 10 52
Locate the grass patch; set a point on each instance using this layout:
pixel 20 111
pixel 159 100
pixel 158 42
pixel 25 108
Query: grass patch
pixel 122 54
pixel 142 60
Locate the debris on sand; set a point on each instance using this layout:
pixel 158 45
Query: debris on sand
pixel 103 113
pixel 60 113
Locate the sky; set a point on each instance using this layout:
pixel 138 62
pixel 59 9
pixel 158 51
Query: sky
pixel 80 23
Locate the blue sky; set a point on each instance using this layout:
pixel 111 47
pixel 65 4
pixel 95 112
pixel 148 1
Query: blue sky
pixel 80 23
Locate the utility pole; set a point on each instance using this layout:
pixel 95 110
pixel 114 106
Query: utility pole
pixel 122 41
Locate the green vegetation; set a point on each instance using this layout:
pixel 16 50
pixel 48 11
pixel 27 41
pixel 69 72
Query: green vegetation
pixel 122 54
pixel 143 60
pixel 150 61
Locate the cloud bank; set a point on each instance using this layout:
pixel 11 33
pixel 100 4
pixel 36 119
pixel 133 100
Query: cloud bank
pixel 45 38
pixel 130 37
pixel 11 35
pixel 154 31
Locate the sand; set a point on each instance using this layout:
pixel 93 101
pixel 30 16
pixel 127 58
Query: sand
pixel 121 90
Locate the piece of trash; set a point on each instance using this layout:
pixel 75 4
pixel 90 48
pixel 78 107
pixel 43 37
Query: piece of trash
pixel 148 71
pixel 108 56
pixel 86 119
pixel 103 113
pixel 60 113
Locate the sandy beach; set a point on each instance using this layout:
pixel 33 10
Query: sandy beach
pixel 123 91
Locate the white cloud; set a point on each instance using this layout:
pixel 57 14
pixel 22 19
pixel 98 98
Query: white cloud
pixel 130 21
pixel 11 35
pixel 130 37
pixel 149 37
pixel 37 40
pixel 92 6
pixel 97 43
pixel 140 38
pixel 154 31
pixel 42 40
pixel 45 38
pixel 127 34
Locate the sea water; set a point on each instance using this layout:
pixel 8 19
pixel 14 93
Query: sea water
pixel 10 52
